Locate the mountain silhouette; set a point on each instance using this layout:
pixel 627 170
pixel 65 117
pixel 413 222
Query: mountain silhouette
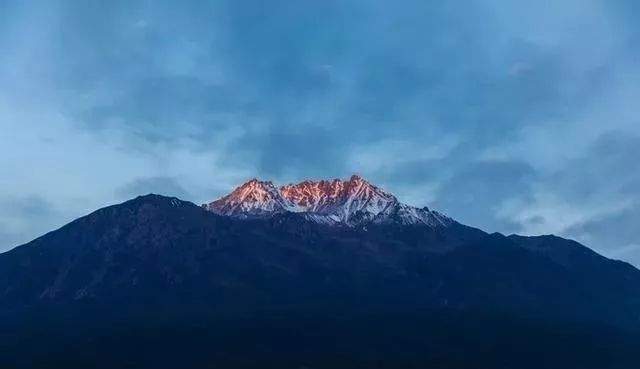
pixel 161 282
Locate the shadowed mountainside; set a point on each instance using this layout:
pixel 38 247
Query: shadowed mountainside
pixel 154 264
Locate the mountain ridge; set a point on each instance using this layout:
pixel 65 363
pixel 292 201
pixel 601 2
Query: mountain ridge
pixel 159 265
pixel 351 202
pixel 94 257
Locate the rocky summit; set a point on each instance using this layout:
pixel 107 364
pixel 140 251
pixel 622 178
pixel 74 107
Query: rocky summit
pixel 342 202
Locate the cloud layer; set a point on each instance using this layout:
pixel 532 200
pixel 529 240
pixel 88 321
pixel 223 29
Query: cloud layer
pixel 507 115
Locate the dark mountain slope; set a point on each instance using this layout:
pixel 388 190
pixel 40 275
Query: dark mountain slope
pixel 159 282
pixel 162 250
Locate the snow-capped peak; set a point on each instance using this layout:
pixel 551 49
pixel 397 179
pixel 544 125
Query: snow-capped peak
pixel 253 198
pixel 339 199
pixel 352 202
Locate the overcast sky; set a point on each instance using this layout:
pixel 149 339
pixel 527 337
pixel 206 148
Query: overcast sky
pixel 512 116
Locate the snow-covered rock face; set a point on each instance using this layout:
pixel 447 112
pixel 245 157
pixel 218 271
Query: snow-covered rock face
pixel 339 198
pixel 253 198
pixel 351 202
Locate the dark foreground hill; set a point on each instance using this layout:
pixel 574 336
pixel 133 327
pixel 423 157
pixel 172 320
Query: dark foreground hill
pixel 158 282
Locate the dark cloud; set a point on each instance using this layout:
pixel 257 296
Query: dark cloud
pixel 24 217
pixel 28 207
pixel 506 115
pixel 616 233
pixel 479 190
pixel 166 186
pixel 605 169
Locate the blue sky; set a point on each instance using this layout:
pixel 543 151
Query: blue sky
pixel 513 116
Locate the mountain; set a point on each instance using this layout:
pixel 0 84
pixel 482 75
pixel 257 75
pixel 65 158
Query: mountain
pixel 351 202
pixel 254 198
pixel 320 275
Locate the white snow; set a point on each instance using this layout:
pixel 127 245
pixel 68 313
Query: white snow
pixel 352 202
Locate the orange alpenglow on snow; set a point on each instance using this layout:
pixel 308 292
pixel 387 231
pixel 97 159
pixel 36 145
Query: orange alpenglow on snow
pixel 350 202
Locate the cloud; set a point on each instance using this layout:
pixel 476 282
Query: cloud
pixel 166 186
pixel 616 233
pixel 506 115
pixel 22 217
pixel 480 190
